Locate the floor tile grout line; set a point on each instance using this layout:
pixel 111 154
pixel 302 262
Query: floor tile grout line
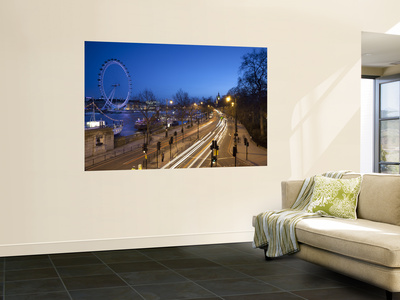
pixel 245 276
pixel 227 266
pixel 196 254
pixel 131 287
pixel 141 251
pixel 28 269
pixel 327 288
pixel 4 279
pixel 99 288
pixel 375 293
pixel 266 283
pixel 287 291
pixel 29 279
pixel 184 276
pixel 280 290
pixel 324 277
pixel 300 297
pixel 257 279
pixel 59 276
pixel 37 279
pixel 243 251
pixel 37 293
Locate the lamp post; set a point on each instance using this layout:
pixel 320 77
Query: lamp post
pixel 202 110
pixel 198 125
pixel 236 131
pixel 193 112
pixel 166 116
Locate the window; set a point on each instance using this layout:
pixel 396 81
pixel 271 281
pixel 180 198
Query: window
pixel 387 125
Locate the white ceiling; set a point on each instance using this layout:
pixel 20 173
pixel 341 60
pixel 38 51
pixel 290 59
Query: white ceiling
pixel 380 50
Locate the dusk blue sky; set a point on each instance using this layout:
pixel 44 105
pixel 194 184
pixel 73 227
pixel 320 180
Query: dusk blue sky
pixel 201 71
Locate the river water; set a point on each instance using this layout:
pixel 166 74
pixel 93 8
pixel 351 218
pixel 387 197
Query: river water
pixel 129 118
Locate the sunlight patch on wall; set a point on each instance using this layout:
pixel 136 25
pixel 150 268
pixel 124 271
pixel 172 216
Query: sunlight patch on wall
pixel 394 30
pixel 318 118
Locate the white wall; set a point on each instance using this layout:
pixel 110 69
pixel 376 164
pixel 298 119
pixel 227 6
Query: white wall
pixel 48 202
pixel 367 126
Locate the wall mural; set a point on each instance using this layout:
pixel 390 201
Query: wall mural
pixel 160 106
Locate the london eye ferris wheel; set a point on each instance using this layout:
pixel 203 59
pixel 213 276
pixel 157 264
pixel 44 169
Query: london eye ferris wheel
pixel 108 89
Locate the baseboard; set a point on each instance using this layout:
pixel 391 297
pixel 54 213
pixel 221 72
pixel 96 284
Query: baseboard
pixel 124 243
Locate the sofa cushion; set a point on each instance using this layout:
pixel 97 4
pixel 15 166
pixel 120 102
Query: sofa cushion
pixel 335 197
pixel 379 198
pixel 361 239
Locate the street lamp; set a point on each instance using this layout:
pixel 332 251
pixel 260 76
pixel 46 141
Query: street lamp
pixel 166 116
pixel 236 131
pixel 198 125
pixel 193 112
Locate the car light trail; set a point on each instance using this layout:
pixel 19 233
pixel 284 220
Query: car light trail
pixel 186 151
pixel 221 136
pixel 221 127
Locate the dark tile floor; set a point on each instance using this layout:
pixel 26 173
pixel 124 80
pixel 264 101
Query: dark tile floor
pixel 208 272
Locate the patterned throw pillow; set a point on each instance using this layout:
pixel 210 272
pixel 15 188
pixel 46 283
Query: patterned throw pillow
pixel 335 197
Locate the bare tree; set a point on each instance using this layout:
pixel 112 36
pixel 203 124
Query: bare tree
pixel 206 103
pixel 147 99
pixel 253 81
pixel 193 108
pixel 182 103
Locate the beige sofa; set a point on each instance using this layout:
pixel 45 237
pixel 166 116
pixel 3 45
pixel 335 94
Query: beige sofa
pixel 368 248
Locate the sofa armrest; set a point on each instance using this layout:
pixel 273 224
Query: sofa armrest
pixel 290 191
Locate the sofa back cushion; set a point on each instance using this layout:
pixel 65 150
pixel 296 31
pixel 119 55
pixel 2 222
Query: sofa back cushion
pixel 379 198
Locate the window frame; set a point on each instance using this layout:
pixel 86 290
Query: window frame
pixel 378 120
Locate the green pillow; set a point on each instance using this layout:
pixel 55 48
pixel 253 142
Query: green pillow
pixel 335 197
